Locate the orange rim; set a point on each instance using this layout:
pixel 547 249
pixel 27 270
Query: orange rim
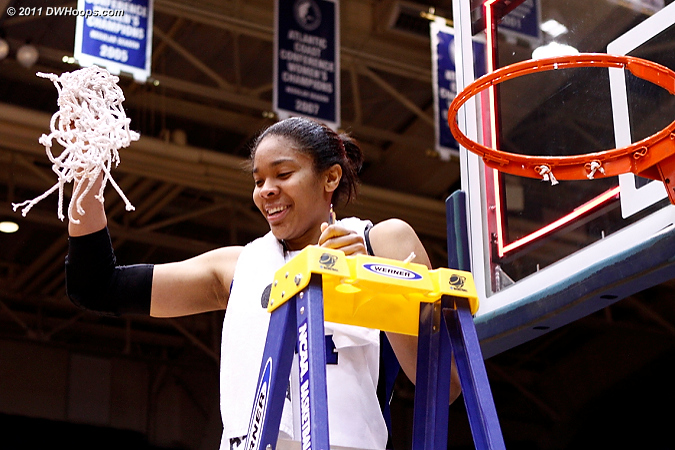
pixel 635 158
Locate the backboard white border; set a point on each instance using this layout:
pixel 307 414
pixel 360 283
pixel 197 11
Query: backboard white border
pixel 634 199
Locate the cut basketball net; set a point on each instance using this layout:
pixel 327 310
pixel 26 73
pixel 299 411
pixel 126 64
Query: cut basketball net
pixel 546 174
pixel 652 157
pixel 91 126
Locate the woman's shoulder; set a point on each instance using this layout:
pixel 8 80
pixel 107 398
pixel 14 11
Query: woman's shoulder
pixel 392 228
pixel 222 260
pixel 229 253
pixel 396 239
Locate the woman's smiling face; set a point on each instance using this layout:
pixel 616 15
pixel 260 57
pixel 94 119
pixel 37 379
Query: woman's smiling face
pixel 290 194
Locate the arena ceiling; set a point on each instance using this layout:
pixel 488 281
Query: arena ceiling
pixel 210 93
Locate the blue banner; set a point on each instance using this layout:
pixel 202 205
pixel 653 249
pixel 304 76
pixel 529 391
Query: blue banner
pixel 115 34
pixel 445 82
pixel 523 21
pixel 307 62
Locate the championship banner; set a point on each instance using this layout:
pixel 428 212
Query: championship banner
pixel 523 22
pixel 445 83
pixel 648 7
pixel 307 60
pixel 115 34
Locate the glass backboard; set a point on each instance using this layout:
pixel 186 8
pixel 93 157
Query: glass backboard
pixel 528 234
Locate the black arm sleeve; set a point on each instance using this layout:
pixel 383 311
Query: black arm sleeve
pixel 94 281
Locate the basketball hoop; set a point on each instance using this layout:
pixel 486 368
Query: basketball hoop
pixel 652 157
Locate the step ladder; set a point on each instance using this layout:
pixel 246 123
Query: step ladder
pixel 436 305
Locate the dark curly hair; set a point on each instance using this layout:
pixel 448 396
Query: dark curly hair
pixel 325 146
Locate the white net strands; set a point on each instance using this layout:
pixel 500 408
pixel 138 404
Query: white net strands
pixel 91 126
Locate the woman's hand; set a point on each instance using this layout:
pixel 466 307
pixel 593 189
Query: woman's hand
pixel 340 238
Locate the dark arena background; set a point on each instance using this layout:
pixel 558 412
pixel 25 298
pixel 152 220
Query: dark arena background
pixel 71 378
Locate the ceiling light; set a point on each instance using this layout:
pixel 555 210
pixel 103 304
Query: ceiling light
pixel 8 227
pixel 4 49
pixel 27 55
pixel 553 28
pixel 553 49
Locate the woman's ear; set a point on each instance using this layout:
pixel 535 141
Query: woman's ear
pixel 333 176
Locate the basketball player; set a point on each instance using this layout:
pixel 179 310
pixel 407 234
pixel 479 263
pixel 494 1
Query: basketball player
pixel 300 169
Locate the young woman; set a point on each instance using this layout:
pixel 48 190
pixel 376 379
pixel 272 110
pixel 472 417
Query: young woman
pixel 300 168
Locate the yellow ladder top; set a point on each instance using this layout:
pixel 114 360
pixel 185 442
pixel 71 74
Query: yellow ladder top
pixel 370 291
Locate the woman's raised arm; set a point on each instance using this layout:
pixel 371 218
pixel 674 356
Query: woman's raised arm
pixel 96 282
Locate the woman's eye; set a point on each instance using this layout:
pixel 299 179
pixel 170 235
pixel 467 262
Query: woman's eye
pixel 258 183
pixel 285 174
